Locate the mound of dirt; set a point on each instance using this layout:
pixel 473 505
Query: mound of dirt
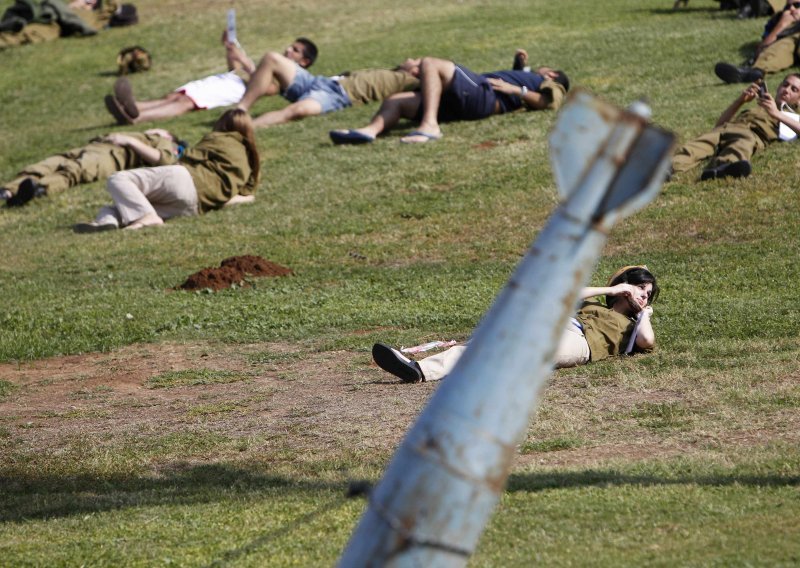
pixel 234 270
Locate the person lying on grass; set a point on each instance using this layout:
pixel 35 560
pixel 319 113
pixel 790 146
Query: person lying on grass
pixel 276 73
pixel 598 331
pixel 735 138
pixel 222 169
pixel 452 92
pixel 214 91
pixel 311 95
pixel 100 158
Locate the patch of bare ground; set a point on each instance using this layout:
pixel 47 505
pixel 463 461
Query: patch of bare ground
pixel 321 404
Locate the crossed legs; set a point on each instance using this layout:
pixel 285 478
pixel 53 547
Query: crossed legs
pixel 436 75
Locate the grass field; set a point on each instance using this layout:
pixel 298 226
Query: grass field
pixel 145 426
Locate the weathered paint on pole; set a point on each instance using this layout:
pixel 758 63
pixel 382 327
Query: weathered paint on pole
pixel 447 476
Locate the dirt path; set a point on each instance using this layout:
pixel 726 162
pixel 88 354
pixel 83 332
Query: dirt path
pixel 320 402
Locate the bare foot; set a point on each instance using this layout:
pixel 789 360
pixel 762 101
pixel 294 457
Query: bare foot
pixel 148 220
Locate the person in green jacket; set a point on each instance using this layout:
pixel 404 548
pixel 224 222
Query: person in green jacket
pixel 598 331
pixel 100 158
pixel 222 169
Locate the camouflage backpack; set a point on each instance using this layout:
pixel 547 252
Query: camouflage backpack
pixel 133 59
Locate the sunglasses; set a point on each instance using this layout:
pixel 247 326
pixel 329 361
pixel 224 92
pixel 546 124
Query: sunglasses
pixel 794 5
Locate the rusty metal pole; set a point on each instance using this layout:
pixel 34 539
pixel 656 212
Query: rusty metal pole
pixel 440 488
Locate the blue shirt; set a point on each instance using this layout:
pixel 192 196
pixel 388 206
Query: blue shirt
pixel 529 79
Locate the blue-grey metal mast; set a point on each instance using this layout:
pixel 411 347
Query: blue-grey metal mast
pixel 446 478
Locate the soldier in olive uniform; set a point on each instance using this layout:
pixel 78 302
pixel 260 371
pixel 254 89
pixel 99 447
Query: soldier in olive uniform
pixel 735 138
pixel 97 160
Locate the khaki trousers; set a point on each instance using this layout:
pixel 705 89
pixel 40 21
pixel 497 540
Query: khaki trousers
pixel 726 144
pixel 92 162
pixel 167 191
pixel 572 350
pixel 779 55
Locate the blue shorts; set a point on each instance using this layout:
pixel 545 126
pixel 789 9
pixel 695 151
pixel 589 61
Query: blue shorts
pixel 327 92
pixel 469 97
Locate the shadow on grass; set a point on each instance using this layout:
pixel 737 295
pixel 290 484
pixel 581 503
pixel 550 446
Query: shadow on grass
pixel 25 497
pixel 606 479
pixel 43 497
pixel 682 10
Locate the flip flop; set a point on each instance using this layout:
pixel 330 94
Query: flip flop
pixel 350 137
pixel 427 137
pixel 123 92
pixel 116 110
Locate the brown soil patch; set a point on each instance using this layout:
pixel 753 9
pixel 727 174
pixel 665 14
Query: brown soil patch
pixel 234 270
pixel 486 145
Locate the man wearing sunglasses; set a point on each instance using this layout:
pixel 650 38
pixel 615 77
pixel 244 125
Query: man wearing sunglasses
pixel 779 49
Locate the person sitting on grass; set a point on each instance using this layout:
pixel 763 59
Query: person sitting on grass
pixel 598 331
pixel 97 160
pixel 224 89
pixel 222 169
pixel 453 92
pixel 735 138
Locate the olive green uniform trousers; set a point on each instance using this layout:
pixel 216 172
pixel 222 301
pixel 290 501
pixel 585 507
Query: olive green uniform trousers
pixel 95 161
pixel 736 140
pixel 779 55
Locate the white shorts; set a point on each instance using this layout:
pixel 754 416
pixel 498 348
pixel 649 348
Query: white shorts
pixel 215 91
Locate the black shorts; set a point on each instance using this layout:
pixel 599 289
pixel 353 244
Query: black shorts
pixel 469 97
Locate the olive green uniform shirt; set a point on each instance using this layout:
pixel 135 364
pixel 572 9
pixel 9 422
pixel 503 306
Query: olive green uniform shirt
pixel 368 85
pixel 759 122
pixel 220 169
pixel 607 331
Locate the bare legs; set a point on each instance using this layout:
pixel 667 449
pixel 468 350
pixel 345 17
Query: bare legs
pixel 401 105
pixel 436 75
pixel 174 104
pixel 294 111
pixel 274 72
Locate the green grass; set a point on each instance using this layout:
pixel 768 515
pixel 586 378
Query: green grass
pixel 6 388
pixel 401 244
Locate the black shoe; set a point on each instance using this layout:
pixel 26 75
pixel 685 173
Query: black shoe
pixel 84 228
pixel 709 173
pixel 739 169
pixel 394 362
pixel 733 74
pixel 27 190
